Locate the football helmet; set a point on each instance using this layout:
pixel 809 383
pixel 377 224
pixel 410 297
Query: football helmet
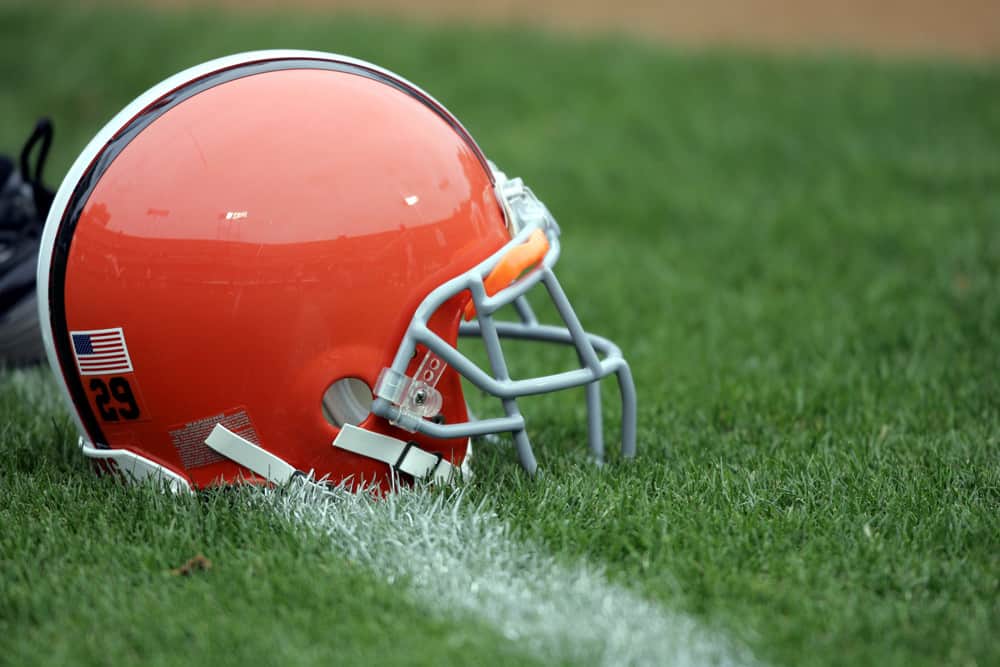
pixel 260 269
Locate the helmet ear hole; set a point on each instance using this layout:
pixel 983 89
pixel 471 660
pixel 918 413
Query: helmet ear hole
pixel 347 401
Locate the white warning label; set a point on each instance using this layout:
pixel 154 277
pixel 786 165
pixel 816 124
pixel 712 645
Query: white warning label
pixel 189 439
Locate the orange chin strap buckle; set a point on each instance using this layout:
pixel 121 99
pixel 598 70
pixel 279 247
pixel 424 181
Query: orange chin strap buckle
pixel 512 265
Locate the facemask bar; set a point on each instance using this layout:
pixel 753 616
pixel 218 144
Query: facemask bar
pixel 398 397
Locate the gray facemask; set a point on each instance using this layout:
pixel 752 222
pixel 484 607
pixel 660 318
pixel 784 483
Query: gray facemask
pixel 409 402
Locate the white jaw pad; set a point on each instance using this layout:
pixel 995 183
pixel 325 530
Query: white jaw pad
pixel 403 456
pixel 250 456
pixel 135 467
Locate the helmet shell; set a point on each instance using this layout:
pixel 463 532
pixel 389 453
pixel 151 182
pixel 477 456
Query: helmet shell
pixel 256 233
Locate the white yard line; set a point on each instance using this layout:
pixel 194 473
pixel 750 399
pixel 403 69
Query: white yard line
pixel 464 560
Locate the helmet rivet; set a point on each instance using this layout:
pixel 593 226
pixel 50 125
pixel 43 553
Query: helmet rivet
pixel 420 397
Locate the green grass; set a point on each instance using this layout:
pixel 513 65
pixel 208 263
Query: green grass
pixel 801 259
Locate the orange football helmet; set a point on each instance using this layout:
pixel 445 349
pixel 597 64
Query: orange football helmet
pixel 260 268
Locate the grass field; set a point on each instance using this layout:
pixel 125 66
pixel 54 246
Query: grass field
pixel 801 260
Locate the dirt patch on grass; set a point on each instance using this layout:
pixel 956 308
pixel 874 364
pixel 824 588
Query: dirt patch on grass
pixel 957 28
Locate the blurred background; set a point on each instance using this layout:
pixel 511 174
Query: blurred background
pixel 964 28
pixel 785 213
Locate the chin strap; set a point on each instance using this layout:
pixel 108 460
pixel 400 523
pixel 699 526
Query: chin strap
pixel 256 459
pixel 405 457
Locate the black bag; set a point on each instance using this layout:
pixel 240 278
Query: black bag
pixel 24 204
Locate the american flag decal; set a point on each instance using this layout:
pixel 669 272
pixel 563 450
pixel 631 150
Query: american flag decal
pixel 101 351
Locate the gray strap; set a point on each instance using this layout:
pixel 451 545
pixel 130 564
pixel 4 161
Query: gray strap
pixel 402 456
pixel 249 455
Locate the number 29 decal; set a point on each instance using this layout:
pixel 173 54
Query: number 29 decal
pixel 115 399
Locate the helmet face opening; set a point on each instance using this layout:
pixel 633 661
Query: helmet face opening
pixel 256 248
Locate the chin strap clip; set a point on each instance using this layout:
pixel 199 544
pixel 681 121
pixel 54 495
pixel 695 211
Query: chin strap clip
pixel 417 398
pixel 404 457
